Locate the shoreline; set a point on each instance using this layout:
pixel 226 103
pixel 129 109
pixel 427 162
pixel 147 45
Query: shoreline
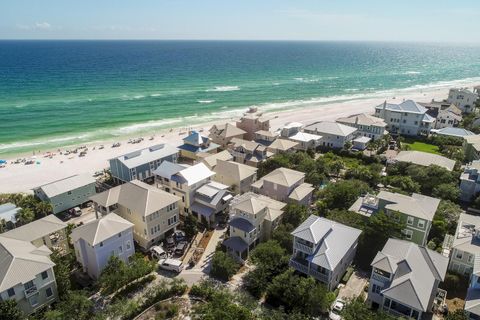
pixel 22 178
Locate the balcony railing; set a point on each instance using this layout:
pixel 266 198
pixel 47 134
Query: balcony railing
pixel 303 248
pixel 319 276
pixel 298 266
pixel 31 291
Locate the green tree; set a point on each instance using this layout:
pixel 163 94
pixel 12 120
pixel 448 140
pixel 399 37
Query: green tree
pixel 446 191
pixel 190 226
pixel 10 311
pixel 43 209
pixel 24 216
pixel 356 309
pixel 114 275
pixel 223 266
pixel 62 274
pixel 343 194
pixel 77 304
pixel 404 183
pixel 294 214
pixel 222 306
pixel 458 314
pixel 282 234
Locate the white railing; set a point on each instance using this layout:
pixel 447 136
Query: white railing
pixel 31 291
pixel 298 266
pixel 303 248
pixel 319 276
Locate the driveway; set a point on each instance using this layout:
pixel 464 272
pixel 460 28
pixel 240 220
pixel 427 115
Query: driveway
pixel 354 286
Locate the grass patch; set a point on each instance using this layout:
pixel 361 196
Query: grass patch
pixel 422 146
pixel 347 275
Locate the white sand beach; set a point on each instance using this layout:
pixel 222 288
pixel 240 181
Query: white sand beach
pixel 22 178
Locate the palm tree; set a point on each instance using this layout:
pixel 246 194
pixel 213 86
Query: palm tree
pixel 42 209
pixel 24 216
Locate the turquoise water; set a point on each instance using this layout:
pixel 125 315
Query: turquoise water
pixel 56 93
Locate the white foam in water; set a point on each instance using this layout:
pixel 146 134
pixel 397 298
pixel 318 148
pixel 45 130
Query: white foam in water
pixel 412 72
pixel 155 95
pixel 224 89
pixel 142 126
pixel 205 101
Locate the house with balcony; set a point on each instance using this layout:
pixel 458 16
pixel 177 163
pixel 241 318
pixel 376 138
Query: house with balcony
pixel 324 249
pixel 222 134
pixel 408 118
pixel 447 115
pixel 196 144
pixel 265 137
pixel 27 275
pixel 470 181
pixel 464 248
pixel 334 135
pixel 211 200
pixel 463 98
pixel 211 160
pixel 471 147
pixel 366 125
pixel 282 146
pixel 285 185
pixel 238 177
pixel 293 132
pixel 416 211
pixel 183 181
pixel 153 212
pixel 67 193
pixel 48 231
pixel 253 218
pixel 96 241
pixel 140 164
pixel 424 159
pixel 247 152
pixel 251 122
pixel 405 278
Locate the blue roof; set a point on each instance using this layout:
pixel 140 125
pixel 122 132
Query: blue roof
pixel 8 212
pixel 236 243
pixel 202 209
pixel 195 149
pixel 195 139
pixel 242 224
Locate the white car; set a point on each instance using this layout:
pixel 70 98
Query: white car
pixel 336 310
pixel 158 253
pixel 171 265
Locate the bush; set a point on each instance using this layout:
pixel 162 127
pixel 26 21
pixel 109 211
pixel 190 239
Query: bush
pixel 166 310
pixel 134 286
pixel 205 289
pixel 224 266
pixel 347 275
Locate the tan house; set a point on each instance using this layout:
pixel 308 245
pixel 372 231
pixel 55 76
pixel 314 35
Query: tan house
pixel 248 152
pixel 211 160
pixel 153 212
pixel 222 134
pixel 265 137
pixel 26 275
pixel 195 144
pixel 253 218
pixel 282 146
pixel 237 176
pixel 285 185
pixel 251 122
pixel 49 231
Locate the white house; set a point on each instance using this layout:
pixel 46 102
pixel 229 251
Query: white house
pixel 463 98
pixel 367 125
pixel 98 240
pixel 334 135
pixel 470 181
pixel 407 118
pixel 446 114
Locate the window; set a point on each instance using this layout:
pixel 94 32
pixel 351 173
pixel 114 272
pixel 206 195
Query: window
pixel 101 244
pixel 470 258
pixel 410 220
pixel 49 292
pixel 459 255
pixel 128 245
pixel 145 231
pixel 120 234
pixel 421 223
pixel 11 292
pixel 408 234
pixel 44 275
pixel 376 289
pixel 120 249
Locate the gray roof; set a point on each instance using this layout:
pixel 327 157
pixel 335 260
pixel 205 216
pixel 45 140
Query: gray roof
pixel 465 239
pixel 146 155
pixel 21 261
pixel 425 159
pixel 8 211
pixel 282 176
pixel 236 243
pixel 211 160
pixel 453 132
pixel 139 197
pixel 363 119
pixel 64 185
pixel 330 127
pixel 101 229
pixel 472 301
pixel 417 205
pixel 184 174
pixel 242 224
pixel 409 106
pixel 415 270
pixel 238 171
pixel 36 229
pixel 167 169
pixel 333 240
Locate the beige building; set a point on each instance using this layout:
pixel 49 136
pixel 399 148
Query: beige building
pixel 446 114
pixel 366 125
pixel 211 160
pixel 237 176
pixel 253 121
pixel 285 185
pixel 253 218
pixel 153 212
pixel 282 146
pixel 248 152
pixel 49 231
pixel 222 134
pixel 26 275
pixel 471 147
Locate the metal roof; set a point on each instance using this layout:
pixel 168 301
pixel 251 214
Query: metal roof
pixel 64 185
pixel 146 155
pixel 36 229
pixel 330 127
pixel 101 229
pixel 425 159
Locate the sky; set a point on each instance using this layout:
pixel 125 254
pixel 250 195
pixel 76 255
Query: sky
pixel 357 20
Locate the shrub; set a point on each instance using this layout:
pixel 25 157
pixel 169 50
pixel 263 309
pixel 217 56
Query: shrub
pixel 223 266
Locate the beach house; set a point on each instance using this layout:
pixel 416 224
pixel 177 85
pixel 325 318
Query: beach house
pixel 470 181
pixel 366 125
pixel 463 98
pixel 251 122
pixel 238 177
pixel 68 192
pixel 196 144
pixel 405 278
pixel 471 147
pixel 407 118
pixel 253 218
pixel 424 159
pixel 8 213
pixel 140 164
pixel 48 231
pixel 182 181
pixel 447 115
pixel 324 249
pixel 96 241
pixel 416 211
pixel 211 160
pixel 210 200
pixel 293 132
pixel 282 146
pixel 153 212
pixel 27 275
pixel 285 185
pixel 265 137
pixel 248 152
pixel 222 134
pixel 452 132
pixel 334 135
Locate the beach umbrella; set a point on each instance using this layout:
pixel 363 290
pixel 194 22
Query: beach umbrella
pixel 3 161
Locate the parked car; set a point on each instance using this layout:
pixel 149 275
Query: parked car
pixel 171 265
pixel 179 235
pixel 180 248
pixel 170 243
pixel 336 310
pixel 77 212
pixel 158 253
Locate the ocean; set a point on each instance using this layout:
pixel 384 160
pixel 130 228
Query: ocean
pixel 58 93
